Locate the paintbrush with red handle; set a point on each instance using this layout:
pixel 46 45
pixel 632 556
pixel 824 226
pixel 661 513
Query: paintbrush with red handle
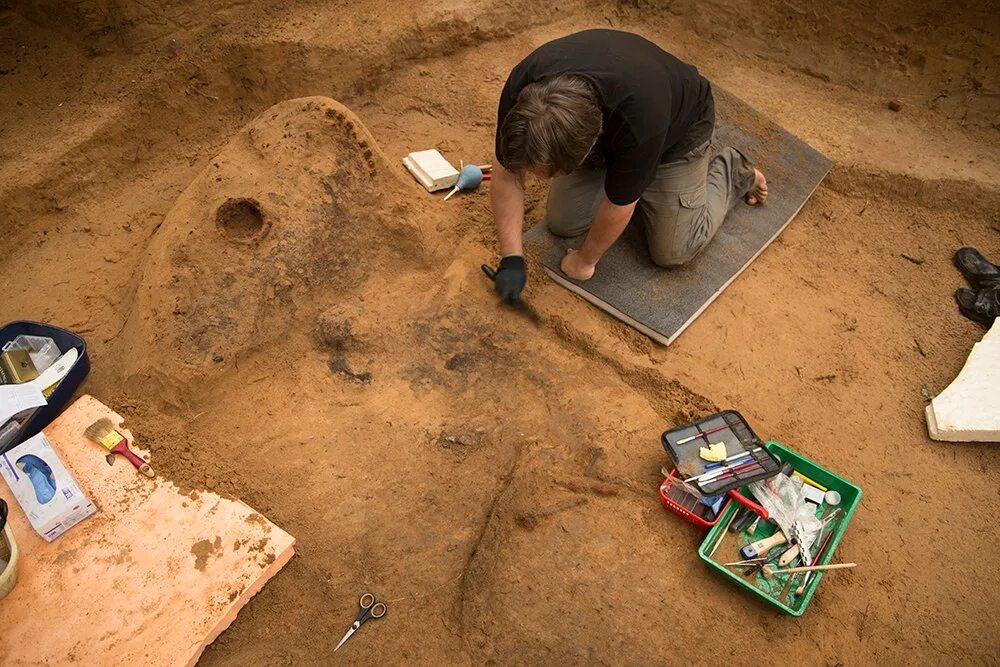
pixel 103 432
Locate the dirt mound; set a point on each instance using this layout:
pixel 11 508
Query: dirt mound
pixel 298 203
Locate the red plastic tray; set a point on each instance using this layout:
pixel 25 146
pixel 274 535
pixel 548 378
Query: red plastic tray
pixel 686 512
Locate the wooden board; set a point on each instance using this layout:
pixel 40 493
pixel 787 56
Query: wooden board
pixel 661 303
pixel 151 579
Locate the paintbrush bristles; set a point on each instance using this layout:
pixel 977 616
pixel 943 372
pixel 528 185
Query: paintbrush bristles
pixel 103 433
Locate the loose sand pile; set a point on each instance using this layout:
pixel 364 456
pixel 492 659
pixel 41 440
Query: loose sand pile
pixel 285 316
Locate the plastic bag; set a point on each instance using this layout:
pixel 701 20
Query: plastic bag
pixel 782 496
pixel 43 350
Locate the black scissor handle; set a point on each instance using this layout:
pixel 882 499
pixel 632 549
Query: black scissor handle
pixel 369 607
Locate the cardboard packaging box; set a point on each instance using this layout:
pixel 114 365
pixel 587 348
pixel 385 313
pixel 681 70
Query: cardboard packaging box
pixel 45 489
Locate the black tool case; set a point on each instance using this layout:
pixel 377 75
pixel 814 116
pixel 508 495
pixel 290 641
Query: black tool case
pixel 59 398
pixel 738 438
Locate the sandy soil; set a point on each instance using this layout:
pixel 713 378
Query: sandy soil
pixel 330 353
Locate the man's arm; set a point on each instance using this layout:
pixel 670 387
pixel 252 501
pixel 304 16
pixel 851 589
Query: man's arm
pixel 630 169
pixel 609 223
pixel 507 201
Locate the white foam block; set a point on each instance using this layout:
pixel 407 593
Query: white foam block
pixel 431 169
pixel 969 408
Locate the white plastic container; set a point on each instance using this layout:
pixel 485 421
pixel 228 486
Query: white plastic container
pixel 8 569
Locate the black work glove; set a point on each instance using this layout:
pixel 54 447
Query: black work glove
pixel 510 278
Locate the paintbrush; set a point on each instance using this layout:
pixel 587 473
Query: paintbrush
pixel 103 432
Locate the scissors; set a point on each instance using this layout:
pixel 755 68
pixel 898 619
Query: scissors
pixel 369 609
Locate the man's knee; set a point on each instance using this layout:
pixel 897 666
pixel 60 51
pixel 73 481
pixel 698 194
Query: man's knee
pixel 671 258
pixel 572 202
pixel 566 222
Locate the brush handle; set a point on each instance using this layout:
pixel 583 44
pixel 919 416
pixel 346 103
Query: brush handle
pixel 715 472
pixel 788 556
pixel 702 434
pixel 722 536
pixel 761 547
pixel 731 473
pixel 133 458
pixel 815 568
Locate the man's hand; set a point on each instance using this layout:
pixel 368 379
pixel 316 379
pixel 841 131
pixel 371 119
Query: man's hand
pixel 576 267
pixel 609 222
pixel 510 278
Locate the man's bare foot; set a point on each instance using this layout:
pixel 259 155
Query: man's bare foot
pixel 758 191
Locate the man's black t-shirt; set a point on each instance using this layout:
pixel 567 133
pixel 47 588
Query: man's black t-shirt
pixel 656 108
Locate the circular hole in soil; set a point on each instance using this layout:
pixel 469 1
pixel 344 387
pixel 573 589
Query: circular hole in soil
pixel 241 219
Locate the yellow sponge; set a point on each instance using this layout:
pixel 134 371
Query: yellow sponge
pixel 714 452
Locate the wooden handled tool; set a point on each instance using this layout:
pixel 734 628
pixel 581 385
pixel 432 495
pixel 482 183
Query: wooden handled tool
pixel 103 432
pixel 761 547
pixel 770 572
pixel 789 555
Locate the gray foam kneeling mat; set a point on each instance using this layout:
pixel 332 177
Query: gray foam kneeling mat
pixel 661 303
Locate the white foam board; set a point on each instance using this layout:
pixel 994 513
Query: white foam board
pixel 968 410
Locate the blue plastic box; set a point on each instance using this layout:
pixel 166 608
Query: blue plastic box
pixel 64 339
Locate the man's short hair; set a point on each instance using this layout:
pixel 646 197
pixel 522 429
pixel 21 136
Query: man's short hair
pixel 553 126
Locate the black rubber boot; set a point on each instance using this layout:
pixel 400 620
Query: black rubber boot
pixel 979 271
pixel 982 306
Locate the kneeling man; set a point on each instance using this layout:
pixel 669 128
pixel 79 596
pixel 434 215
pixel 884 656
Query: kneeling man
pixel 621 127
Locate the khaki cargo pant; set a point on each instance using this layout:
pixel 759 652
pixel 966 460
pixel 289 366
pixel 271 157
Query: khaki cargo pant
pixel 682 208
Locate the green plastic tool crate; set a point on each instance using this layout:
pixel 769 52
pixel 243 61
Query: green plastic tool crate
pixel 850 497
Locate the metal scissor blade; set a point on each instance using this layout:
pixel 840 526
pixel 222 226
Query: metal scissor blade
pixel 347 636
